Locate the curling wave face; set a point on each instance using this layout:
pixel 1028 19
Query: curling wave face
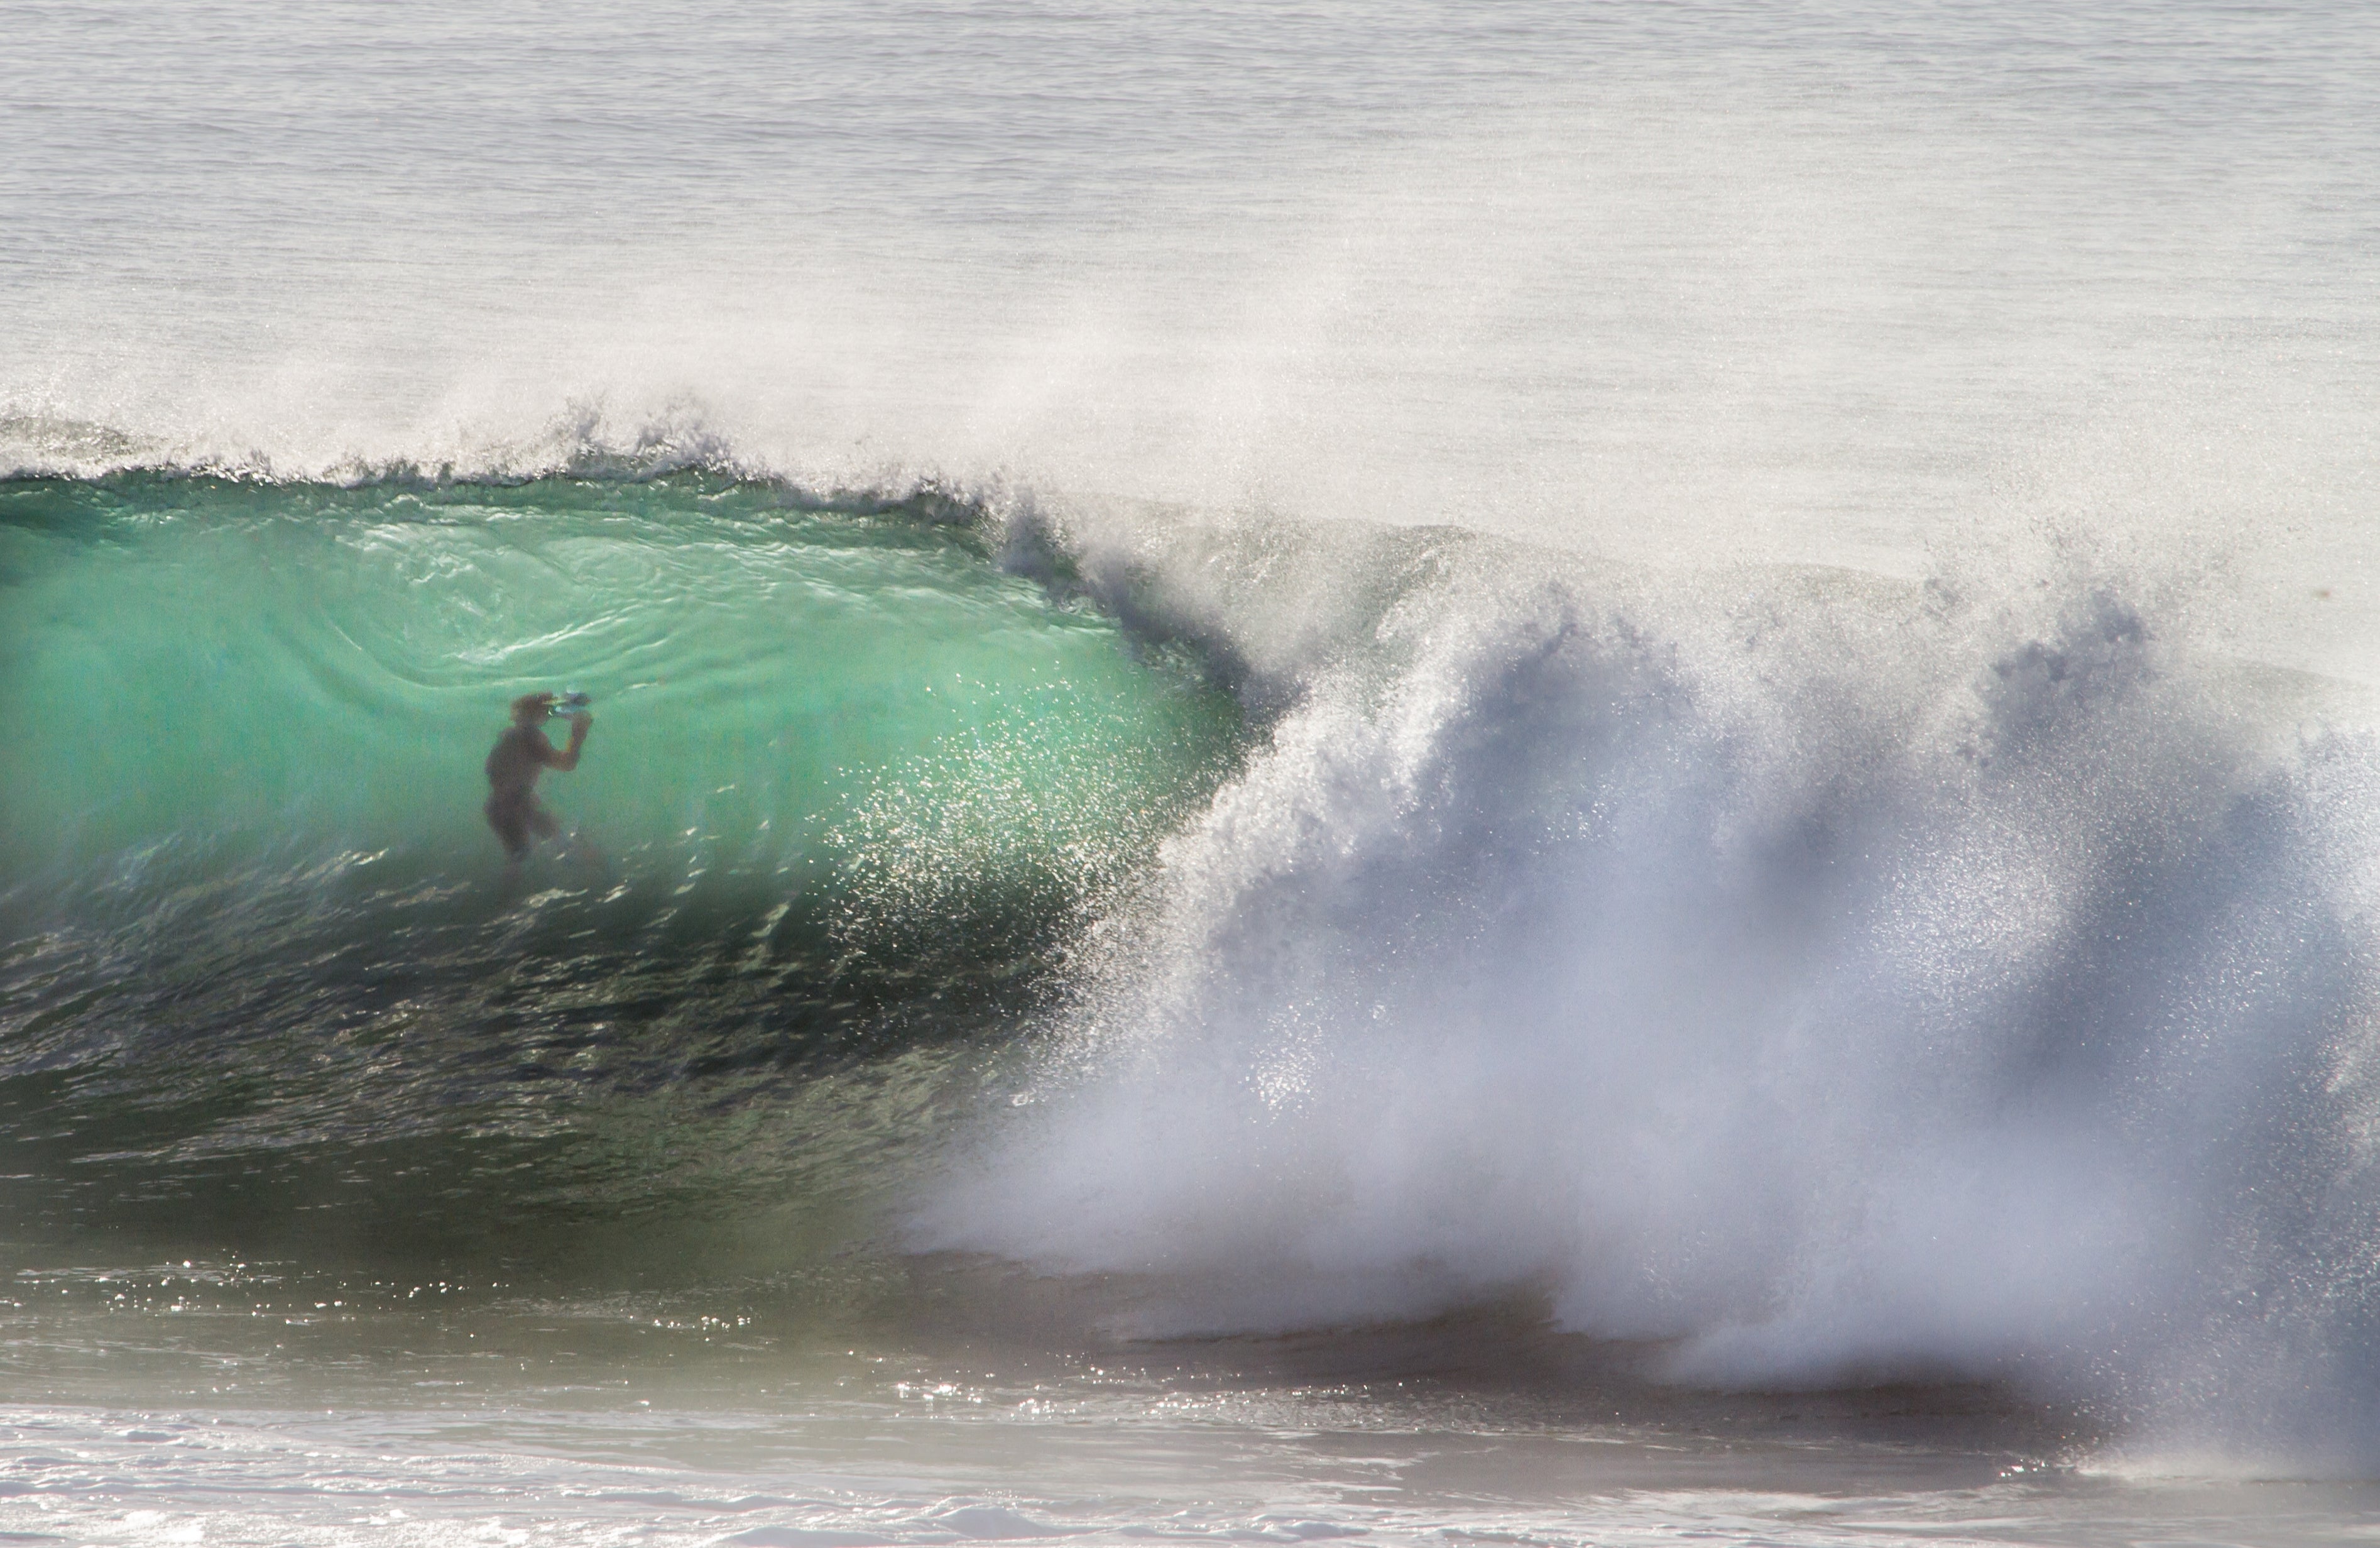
pixel 849 785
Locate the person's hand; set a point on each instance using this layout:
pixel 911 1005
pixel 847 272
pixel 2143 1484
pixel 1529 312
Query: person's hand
pixel 581 722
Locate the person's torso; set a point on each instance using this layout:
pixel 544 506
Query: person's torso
pixel 514 762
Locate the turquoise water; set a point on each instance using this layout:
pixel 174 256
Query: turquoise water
pixel 801 699
pixel 850 787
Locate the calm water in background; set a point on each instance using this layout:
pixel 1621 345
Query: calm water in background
pixel 1833 283
pixel 1975 294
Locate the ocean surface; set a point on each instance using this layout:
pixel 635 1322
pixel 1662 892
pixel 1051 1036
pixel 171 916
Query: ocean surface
pixel 1493 774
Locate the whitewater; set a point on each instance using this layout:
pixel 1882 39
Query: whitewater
pixel 1519 773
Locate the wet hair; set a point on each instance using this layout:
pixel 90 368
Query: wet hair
pixel 530 708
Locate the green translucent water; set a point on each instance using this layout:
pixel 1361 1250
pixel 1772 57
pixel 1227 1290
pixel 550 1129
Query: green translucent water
pixel 777 688
pixel 849 791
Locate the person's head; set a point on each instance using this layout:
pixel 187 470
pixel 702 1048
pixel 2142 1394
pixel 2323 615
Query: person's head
pixel 531 708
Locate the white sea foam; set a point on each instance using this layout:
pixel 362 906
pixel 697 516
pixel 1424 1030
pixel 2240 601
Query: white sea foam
pixel 1832 980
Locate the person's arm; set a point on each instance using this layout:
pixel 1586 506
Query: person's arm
pixel 567 759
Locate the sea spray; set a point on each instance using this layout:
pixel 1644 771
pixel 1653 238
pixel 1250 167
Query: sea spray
pixel 1805 977
pixel 1822 979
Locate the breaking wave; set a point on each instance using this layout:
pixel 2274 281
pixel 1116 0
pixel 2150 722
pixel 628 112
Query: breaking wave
pixel 1793 977
pixel 1800 978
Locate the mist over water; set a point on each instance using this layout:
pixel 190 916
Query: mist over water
pixel 1635 709
pixel 1820 979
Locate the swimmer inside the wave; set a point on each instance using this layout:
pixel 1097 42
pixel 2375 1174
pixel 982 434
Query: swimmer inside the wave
pixel 519 756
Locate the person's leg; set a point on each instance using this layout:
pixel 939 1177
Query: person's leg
pixel 511 826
